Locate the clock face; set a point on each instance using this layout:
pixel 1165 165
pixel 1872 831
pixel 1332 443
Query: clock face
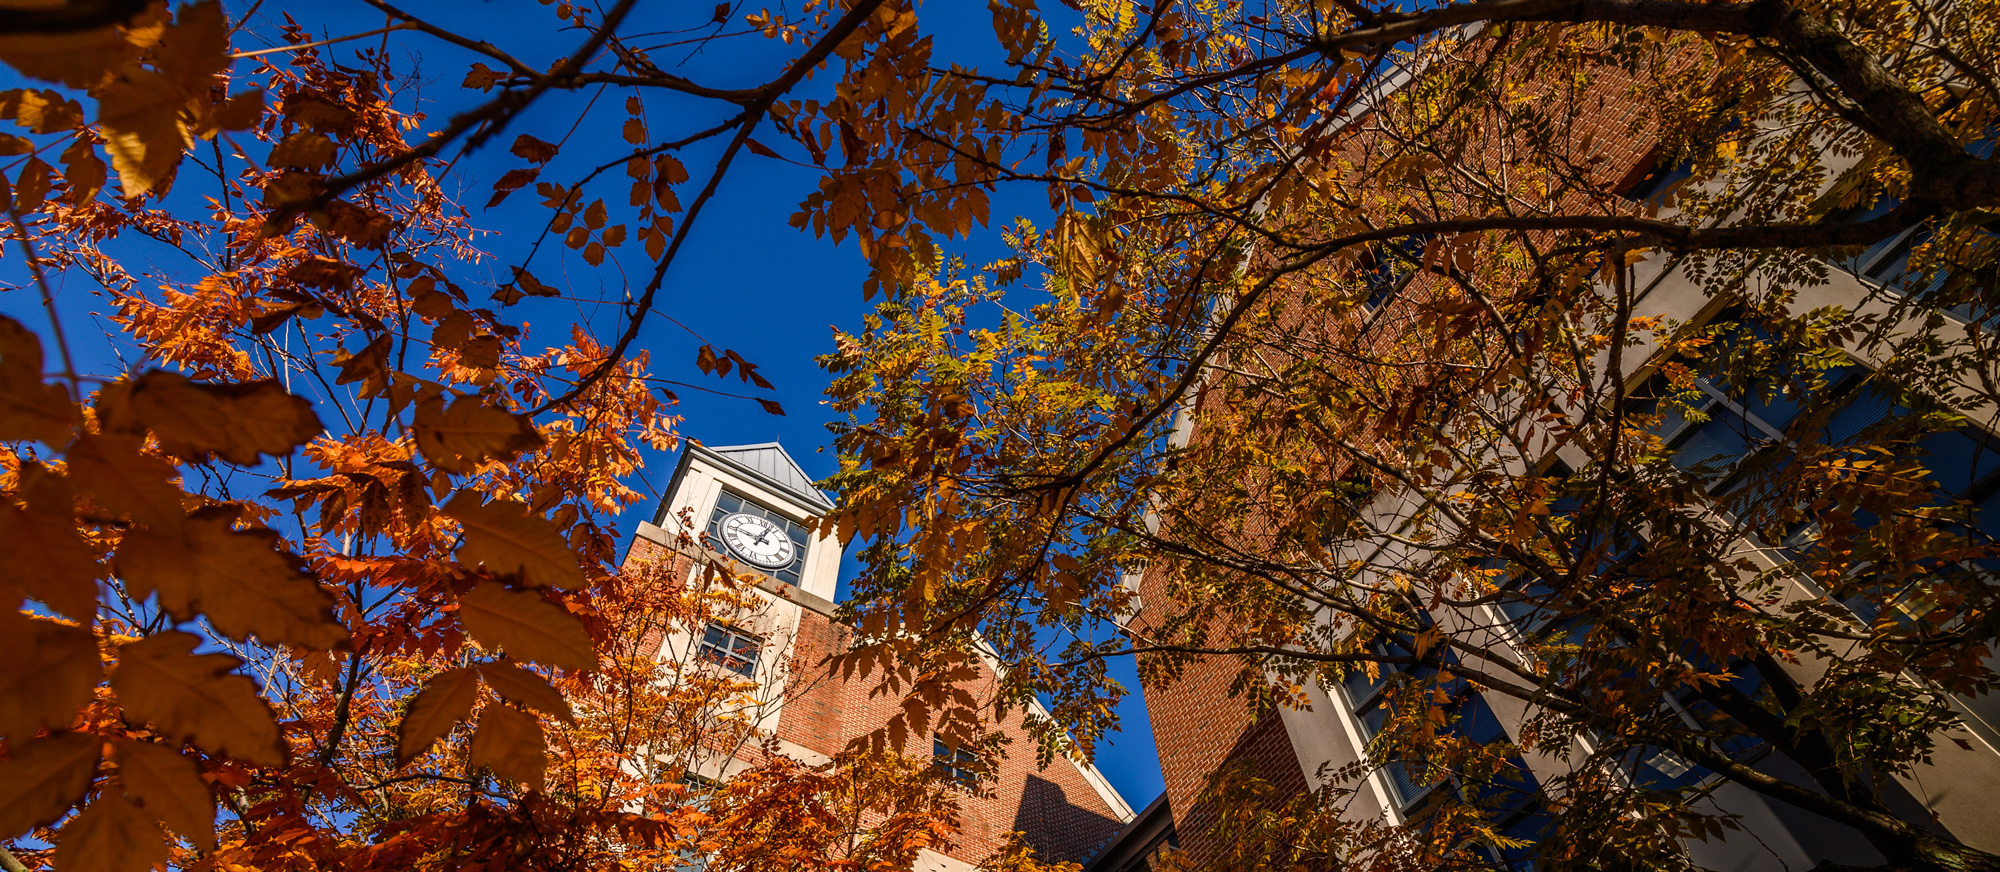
pixel 757 540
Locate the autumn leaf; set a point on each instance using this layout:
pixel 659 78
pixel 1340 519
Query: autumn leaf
pixel 111 835
pixel 30 408
pixel 505 538
pixel 44 777
pixel 771 406
pixel 517 684
pixel 509 742
pixel 238 421
pixel 167 784
pixel 125 483
pixel 465 435
pixel 47 561
pixel 445 700
pixel 525 625
pixel 369 366
pixel 533 150
pixel 241 579
pixel 47 672
pixel 193 697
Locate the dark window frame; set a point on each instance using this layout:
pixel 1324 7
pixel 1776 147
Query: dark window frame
pixel 731 648
pixel 729 502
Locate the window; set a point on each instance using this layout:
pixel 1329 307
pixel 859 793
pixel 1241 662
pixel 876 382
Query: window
pixel 728 503
pixel 957 764
pixel 1887 261
pixel 1657 186
pixel 731 649
pixel 1386 268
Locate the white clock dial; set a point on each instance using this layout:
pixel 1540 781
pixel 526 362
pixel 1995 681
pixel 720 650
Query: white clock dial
pixel 757 540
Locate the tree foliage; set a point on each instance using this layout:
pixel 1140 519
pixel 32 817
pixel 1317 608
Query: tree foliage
pixel 322 571
pixel 1346 337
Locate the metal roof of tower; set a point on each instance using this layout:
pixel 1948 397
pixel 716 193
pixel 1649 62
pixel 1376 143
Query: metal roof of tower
pixel 770 463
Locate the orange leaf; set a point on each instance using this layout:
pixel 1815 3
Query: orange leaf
pixel 240 579
pixel 47 672
pixel 525 625
pixel 462 437
pixel 169 785
pixel 191 696
pixel 47 561
pixel 44 777
pixel 445 700
pixel 506 539
pixel 237 421
pixel 509 742
pixel 111 835
pixel 530 689
pixel 109 468
pixel 29 407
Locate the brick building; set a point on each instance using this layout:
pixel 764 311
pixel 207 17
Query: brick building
pixel 750 504
pixel 1199 726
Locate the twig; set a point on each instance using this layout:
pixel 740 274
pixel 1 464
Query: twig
pixel 49 303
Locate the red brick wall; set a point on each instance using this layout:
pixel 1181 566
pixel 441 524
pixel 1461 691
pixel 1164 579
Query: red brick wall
pixel 1061 814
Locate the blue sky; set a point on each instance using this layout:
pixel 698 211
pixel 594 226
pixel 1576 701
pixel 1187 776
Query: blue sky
pixel 746 280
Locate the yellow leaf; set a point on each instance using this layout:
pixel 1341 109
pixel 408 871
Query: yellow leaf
pixel 461 437
pixel 29 407
pixel 40 111
pixel 47 561
pixel 509 742
pixel 195 48
pixel 238 578
pixel 191 696
pixel 520 685
pixel 47 671
pixel 44 777
pixel 168 785
pixel 503 537
pixel 445 700
pixel 111 835
pixel 125 483
pixel 238 421
pixel 525 625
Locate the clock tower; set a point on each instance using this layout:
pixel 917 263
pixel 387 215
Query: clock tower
pixel 752 507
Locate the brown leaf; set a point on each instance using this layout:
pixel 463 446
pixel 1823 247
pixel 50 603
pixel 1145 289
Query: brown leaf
pixel 168 785
pixel 40 111
pixel 531 149
pixel 78 60
pixel 517 684
pixel 506 539
pixel 29 407
pixel 47 561
pixel 241 112
pixel 190 696
pixel 125 483
pixel 238 421
pixel 512 181
pixel 139 117
pixel 509 742
pixel 465 435
pixel 357 224
pixel 525 625
pixel 47 672
pixel 759 148
pixel 304 150
pixel 44 777
pixel 111 835
pixel 240 579
pixel 83 170
pixel 445 700
pixel 772 407
pixel 369 366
